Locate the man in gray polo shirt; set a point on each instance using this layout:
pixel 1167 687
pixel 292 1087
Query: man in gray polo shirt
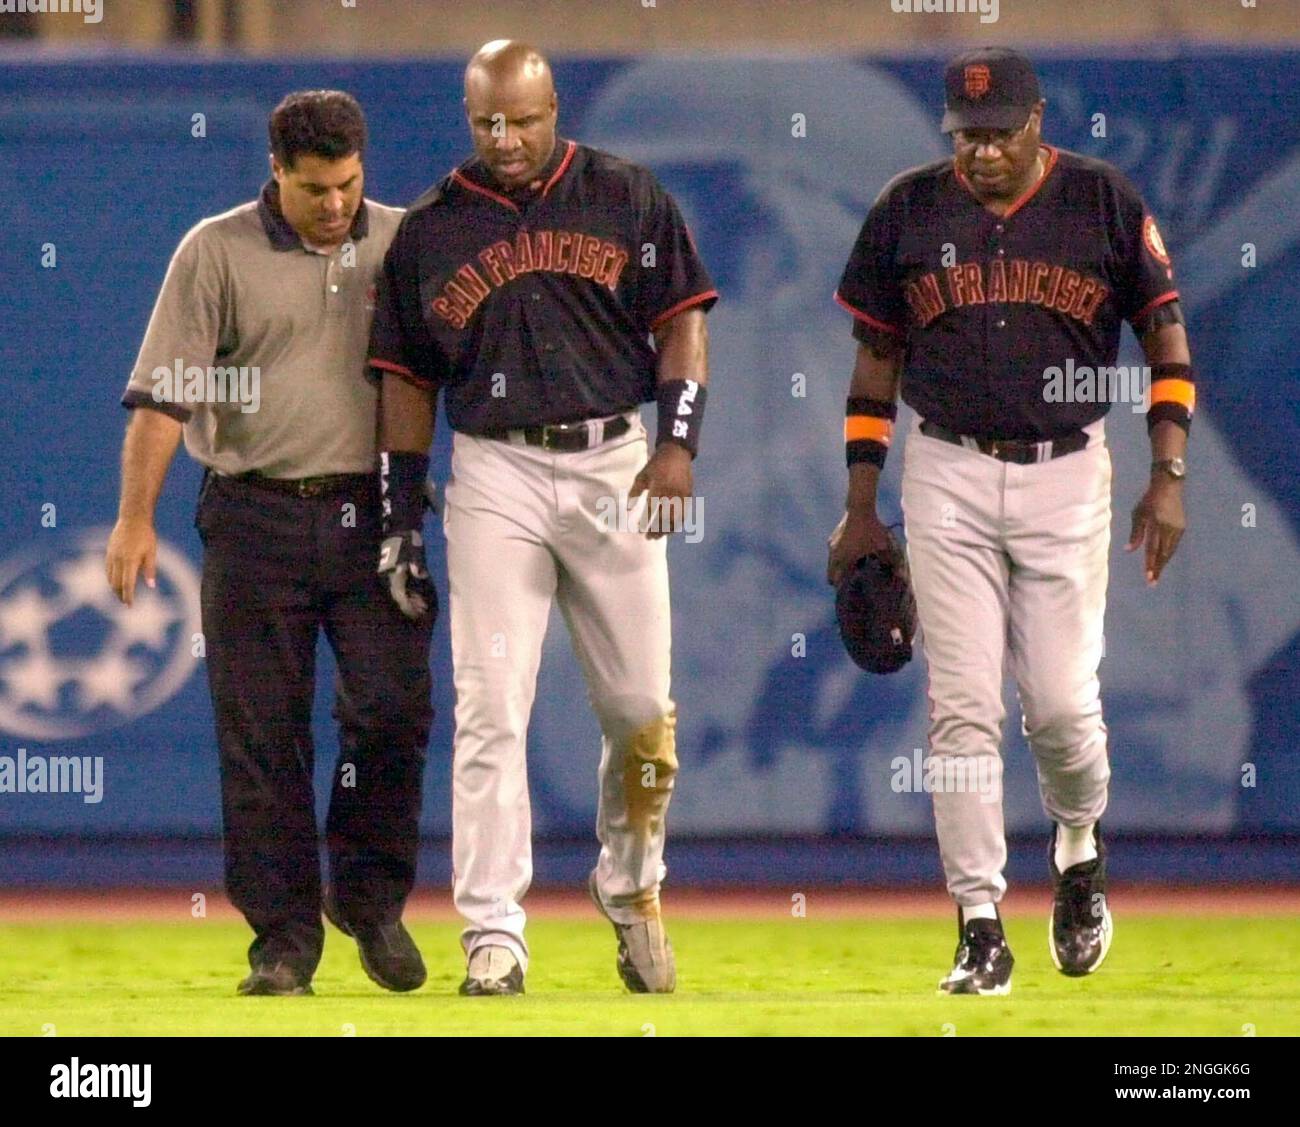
pixel 255 352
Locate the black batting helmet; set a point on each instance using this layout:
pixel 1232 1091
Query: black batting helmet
pixel 877 611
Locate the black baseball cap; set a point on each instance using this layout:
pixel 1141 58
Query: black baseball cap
pixel 989 88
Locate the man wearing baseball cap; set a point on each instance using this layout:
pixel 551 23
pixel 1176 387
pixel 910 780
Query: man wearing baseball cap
pixel 991 94
pixel 989 88
pixel 975 284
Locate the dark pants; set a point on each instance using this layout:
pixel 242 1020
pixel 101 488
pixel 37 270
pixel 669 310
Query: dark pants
pixel 277 568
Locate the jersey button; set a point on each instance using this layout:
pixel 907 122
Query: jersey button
pixel 535 296
pixel 1001 324
pixel 334 289
pixel 1001 252
pixel 1000 228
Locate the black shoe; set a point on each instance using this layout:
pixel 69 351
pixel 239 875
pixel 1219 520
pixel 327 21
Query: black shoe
pixel 1080 929
pixel 276 979
pixel 492 971
pixel 983 961
pixel 388 953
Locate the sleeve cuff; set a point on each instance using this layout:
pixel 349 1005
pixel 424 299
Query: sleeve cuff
pixel 376 369
pixel 1142 314
pixel 866 318
pixel 135 398
pixel 709 296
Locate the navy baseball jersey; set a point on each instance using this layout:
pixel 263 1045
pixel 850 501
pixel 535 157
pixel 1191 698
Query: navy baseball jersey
pixel 536 307
pixel 986 304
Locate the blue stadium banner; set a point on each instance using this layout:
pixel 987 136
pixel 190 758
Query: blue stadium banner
pixel 103 167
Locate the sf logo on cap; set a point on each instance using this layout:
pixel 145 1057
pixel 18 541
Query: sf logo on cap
pixel 977 80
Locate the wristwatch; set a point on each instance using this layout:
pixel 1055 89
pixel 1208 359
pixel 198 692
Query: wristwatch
pixel 1174 467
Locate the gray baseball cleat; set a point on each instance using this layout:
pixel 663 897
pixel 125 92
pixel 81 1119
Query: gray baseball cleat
pixel 645 957
pixel 492 971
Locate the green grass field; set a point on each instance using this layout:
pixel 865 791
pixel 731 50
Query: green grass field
pixel 1167 974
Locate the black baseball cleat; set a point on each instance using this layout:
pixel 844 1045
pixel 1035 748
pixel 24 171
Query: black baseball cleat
pixel 983 961
pixel 1080 929
pixel 277 979
pixel 389 955
pixel 492 971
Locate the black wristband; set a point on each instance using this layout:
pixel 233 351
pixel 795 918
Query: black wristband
pixel 1174 413
pixel 864 450
pixel 681 412
pixel 868 430
pixel 401 488
pixel 1172 410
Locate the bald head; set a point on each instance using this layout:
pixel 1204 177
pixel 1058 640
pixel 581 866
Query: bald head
pixel 512 110
pixel 505 61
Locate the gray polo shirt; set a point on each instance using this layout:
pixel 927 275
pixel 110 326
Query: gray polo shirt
pixel 258 343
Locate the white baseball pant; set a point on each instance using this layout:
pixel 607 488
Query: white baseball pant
pixel 1009 561
pixel 526 526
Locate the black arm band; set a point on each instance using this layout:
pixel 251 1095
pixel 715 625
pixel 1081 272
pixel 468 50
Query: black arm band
pixel 401 487
pixel 864 450
pixel 880 408
pixel 1169 413
pixel 681 412
pixel 1176 408
pixel 1170 313
pixel 868 430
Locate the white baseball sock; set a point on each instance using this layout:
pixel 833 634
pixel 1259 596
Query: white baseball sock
pixel 978 912
pixel 1074 845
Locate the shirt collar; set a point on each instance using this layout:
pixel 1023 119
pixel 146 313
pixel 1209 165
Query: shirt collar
pixel 477 172
pixel 1048 165
pixel 281 233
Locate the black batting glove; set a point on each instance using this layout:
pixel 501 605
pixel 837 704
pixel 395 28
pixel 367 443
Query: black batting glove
pixel 401 562
pixel 403 489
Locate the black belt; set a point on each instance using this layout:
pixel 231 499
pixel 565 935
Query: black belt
pixel 567 438
pixel 305 486
pixel 1021 451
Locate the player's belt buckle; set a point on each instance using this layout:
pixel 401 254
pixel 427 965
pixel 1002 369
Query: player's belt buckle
pixel 1015 450
pixel 562 436
pixel 318 486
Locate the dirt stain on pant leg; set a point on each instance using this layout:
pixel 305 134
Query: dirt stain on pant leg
pixel 649 767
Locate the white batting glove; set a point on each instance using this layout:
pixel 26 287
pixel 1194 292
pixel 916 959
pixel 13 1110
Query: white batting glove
pixel 401 559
